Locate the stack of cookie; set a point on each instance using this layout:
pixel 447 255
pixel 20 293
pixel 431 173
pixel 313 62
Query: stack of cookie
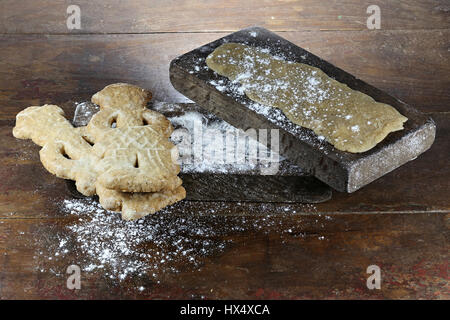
pixel 123 155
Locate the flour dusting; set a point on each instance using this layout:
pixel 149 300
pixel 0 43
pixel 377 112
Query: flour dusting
pixel 182 235
pixel 217 147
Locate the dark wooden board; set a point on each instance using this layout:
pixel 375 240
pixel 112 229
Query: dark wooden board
pixel 255 188
pixel 320 258
pixel 141 16
pixel 344 171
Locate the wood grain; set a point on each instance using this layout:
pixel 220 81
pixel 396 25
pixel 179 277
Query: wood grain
pixel 140 16
pixel 319 258
pixel 37 69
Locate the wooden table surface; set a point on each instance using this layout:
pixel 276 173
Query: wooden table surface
pixel 399 222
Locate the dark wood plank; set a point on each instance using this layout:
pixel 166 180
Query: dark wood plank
pixel 28 190
pixel 411 66
pixel 140 16
pixel 292 258
pixel 255 188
